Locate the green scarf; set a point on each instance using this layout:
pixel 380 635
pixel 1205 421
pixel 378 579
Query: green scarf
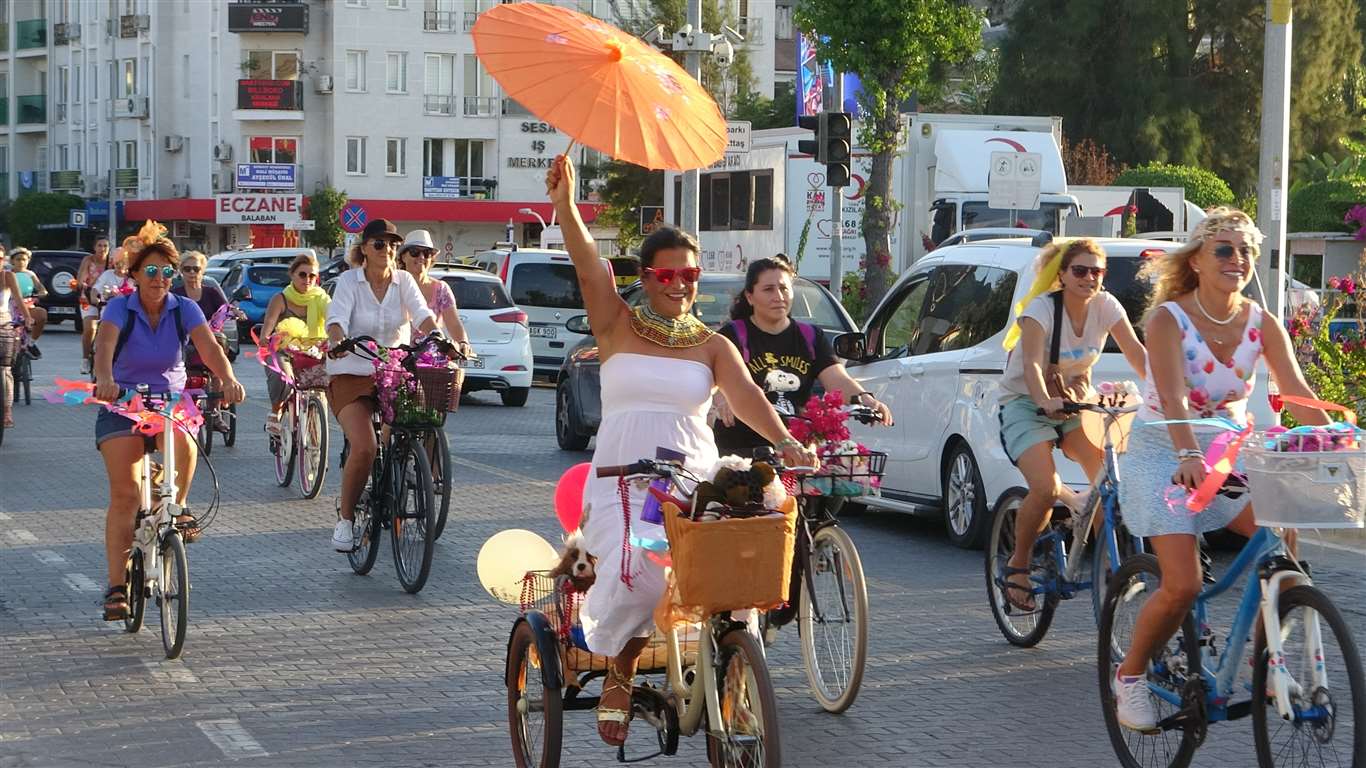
pixel 316 299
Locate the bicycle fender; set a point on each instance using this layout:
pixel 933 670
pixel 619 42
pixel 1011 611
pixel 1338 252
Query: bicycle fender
pixel 547 647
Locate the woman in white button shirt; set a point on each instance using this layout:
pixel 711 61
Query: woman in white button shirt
pixel 379 301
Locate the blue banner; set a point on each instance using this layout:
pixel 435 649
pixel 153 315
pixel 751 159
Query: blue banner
pixel 265 176
pixel 441 187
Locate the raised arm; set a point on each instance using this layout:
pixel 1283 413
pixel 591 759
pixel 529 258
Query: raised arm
pixel 605 306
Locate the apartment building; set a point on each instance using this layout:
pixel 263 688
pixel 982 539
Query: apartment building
pixel 219 117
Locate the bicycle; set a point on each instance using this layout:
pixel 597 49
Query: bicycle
pixel 716 680
pixel 399 494
pixel 1301 698
pixel 832 617
pixel 304 429
pixel 1056 564
pixel 21 370
pixel 217 418
pixel 157 568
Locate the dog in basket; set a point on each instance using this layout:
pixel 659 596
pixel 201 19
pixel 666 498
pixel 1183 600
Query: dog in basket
pixel 576 563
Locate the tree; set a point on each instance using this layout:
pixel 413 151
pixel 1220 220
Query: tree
pixel 762 112
pixel 30 210
pixel 897 48
pixel 1086 162
pixel 627 188
pixel 324 208
pixel 1176 81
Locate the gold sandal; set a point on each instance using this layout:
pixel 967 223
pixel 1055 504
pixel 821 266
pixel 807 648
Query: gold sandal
pixel 615 680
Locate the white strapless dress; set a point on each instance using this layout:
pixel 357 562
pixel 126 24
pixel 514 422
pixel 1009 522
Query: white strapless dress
pixel 648 402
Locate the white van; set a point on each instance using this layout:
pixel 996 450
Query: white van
pixel 543 284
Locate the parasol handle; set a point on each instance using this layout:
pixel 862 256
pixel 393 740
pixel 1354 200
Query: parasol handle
pixel 567 150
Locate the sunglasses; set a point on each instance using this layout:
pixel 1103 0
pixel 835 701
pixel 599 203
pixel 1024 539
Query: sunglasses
pixel 1079 271
pixel 380 244
pixel 151 270
pixel 190 270
pixel 421 253
pixel 666 275
pixel 1225 251
pixel 310 276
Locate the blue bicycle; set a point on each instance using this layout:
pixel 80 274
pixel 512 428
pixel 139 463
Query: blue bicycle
pixel 1056 567
pixel 1307 697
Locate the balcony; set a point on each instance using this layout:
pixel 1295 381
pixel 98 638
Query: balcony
pixel 31 34
pixel 125 178
pixel 470 18
pixel 752 29
pixel 64 181
pixel 438 104
pixel 132 23
pixel 481 106
pixel 31 109
pixel 439 21
pixel 269 100
pixel 64 34
pixel 4 110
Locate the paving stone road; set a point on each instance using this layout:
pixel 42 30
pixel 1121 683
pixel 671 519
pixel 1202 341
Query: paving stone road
pixel 292 660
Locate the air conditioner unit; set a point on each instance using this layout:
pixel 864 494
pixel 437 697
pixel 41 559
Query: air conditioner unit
pixel 143 22
pixel 131 106
pixel 222 151
pixel 322 84
pixel 222 181
pixel 172 143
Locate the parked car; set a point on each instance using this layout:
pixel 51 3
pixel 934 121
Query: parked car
pixel 251 287
pixel 56 270
pixel 497 330
pixel 543 284
pixel 578 399
pixel 933 354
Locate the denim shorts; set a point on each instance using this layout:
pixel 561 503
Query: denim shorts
pixel 109 425
pixel 1022 427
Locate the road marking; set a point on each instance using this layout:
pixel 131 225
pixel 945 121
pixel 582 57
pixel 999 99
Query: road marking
pixel 79 582
pixel 170 672
pixel 231 739
pixel 21 536
pixel 48 557
pixel 1330 545
pixel 503 473
pixel 5 517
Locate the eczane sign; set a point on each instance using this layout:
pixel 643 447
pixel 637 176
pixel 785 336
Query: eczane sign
pixel 257 209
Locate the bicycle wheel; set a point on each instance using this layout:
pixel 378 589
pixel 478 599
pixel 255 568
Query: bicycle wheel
pixel 175 594
pixel 1102 569
pixel 230 438
pixel 365 529
pixel 439 455
pixel 535 710
pixel 1172 667
pixel 312 447
pixel 206 432
pixel 23 376
pixel 1330 717
pixel 835 642
pixel 1022 628
pixel 4 403
pixel 747 736
pixel 414 521
pixel 285 445
pixel 135 582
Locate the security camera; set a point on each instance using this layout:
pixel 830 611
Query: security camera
pixel 724 53
pixel 655 36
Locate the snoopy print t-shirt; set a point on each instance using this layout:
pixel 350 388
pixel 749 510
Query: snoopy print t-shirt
pixel 1076 354
pixel 783 366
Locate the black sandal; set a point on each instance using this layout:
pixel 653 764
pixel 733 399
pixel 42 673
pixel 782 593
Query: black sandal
pixel 1008 585
pixel 189 528
pixel 116 603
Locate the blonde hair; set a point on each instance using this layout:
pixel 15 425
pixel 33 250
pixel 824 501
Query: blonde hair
pixel 196 256
pixel 1172 274
pixel 303 258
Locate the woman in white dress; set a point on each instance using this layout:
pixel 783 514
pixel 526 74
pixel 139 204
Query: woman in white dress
pixel 660 365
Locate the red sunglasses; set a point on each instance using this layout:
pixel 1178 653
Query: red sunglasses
pixel 666 275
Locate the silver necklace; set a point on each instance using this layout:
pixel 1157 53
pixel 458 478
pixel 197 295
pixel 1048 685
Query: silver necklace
pixel 1212 318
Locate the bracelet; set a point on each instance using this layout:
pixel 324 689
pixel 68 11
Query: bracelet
pixel 854 398
pixel 1190 453
pixel 786 441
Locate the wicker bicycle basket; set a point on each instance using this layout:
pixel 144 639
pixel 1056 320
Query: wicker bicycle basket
pixel 557 600
pixel 437 392
pixel 732 564
pixel 1305 489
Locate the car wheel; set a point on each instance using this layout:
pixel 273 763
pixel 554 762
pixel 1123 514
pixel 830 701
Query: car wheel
pixel 567 432
pixel 515 397
pixel 965 504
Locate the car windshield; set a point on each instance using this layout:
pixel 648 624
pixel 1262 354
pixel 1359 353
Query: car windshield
pixel 716 293
pixel 546 285
pixel 625 268
pixel 977 215
pixel 269 276
pixel 1123 282
pixel 478 294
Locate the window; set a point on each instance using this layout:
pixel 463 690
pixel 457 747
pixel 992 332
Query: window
pixel 1048 217
pixel 891 334
pixel 479 90
pixel 272 65
pixel 395 157
pixel 469 157
pixel 63 158
pixel 355 70
pixel 545 285
pixel 128 157
pixel 184 76
pixel 987 308
pixel 273 149
pixel 953 307
pixel 128 81
pixel 1122 282
pixel 434 157
pixel 355 154
pixel 438 84
pixel 356 3
pixel 731 200
pixel 478 294
pixel 76 83
pixel 397 5
pixel 1306 268
pixel 93 92
pixel 396 72
pixel 63 84
pixel 783 28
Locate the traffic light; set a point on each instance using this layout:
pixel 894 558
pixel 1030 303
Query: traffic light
pixel 832 145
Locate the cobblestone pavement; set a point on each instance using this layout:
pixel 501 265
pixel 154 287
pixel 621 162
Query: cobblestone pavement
pixel 292 660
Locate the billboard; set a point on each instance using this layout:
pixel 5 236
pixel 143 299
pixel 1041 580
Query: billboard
pixel 267 17
pixel 814 76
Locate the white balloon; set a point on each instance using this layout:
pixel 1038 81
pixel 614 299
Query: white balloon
pixel 507 556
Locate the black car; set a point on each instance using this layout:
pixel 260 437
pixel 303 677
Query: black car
pixel 578 400
pixel 57 270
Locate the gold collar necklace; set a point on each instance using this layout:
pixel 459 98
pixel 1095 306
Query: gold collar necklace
pixel 671 332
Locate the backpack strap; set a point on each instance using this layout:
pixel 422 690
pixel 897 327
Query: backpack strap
pixel 126 330
pixel 807 330
pixel 809 336
pixel 742 336
pixel 1055 345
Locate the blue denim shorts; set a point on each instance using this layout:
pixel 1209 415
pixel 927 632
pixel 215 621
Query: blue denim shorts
pixel 110 425
pixel 1022 427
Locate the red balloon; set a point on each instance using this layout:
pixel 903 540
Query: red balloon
pixel 569 496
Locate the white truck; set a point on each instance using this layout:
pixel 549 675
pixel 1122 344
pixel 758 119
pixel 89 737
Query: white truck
pixel 1164 213
pixel 759 203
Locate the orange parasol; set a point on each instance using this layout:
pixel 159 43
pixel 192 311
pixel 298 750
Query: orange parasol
pixel 603 87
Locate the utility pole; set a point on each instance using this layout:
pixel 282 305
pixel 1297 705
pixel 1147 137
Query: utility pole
pixel 836 203
pixel 1272 167
pixel 692 62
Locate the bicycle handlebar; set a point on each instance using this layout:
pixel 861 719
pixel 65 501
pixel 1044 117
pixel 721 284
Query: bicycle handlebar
pixel 1071 407
pixel 860 413
pixel 667 469
pixel 353 345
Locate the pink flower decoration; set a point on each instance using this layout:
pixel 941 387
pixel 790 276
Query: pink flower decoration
pixel 1334 282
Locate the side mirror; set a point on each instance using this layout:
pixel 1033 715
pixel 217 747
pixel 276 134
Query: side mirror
pixel 242 293
pixel 578 324
pixel 851 346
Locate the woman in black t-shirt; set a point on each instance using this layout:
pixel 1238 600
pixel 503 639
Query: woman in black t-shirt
pixel 785 357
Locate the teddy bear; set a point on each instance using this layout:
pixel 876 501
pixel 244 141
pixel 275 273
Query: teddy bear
pixel 739 485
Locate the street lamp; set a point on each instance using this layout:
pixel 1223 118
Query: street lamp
pixel 529 212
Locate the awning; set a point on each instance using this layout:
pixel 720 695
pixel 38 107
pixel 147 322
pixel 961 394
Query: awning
pixel 462 211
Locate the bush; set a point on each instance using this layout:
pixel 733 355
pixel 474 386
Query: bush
pixel 1202 187
pixel 30 210
pixel 1320 206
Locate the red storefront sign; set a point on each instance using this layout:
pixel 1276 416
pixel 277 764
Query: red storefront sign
pixel 270 94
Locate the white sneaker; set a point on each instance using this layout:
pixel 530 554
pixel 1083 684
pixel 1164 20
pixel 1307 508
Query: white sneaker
pixel 1133 703
pixel 341 536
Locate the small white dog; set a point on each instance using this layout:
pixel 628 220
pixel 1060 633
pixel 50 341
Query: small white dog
pixel 576 563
